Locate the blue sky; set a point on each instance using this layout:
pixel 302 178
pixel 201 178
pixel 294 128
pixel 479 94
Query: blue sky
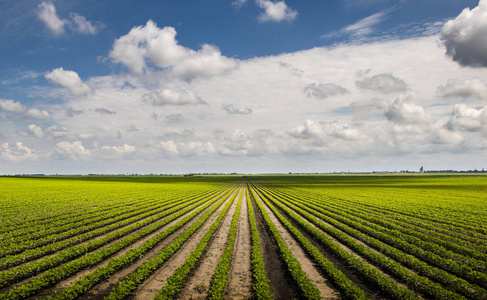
pixel 242 86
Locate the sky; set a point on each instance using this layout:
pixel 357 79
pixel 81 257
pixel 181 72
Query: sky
pixel 247 86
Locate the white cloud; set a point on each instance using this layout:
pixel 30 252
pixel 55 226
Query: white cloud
pixel 169 147
pixel 176 96
pixel 35 131
pixel 464 118
pixel 323 91
pixel 365 26
pixel 11 105
pixel 37 114
pixel 276 11
pixel 115 152
pixel 47 13
pixel 69 80
pixel 17 153
pixel 160 47
pixel 84 26
pixel 474 87
pixel 232 110
pixel 402 110
pixel 310 130
pixel 465 37
pixel 186 149
pixel 57 132
pixel 74 150
pixel 382 83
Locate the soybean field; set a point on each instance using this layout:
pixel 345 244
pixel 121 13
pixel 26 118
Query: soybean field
pixel 244 237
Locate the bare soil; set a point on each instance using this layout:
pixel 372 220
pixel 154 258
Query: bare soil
pixel 198 284
pixel 240 274
pixel 157 281
pixel 280 282
pixel 308 266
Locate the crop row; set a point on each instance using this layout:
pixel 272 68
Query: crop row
pixel 260 282
pixel 306 287
pixel 220 278
pixel 30 254
pixel 343 233
pixel 125 287
pixel 348 289
pixel 30 269
pixel 175 282
pixel 55 275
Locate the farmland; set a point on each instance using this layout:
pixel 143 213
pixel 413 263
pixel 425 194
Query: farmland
pixel 240 237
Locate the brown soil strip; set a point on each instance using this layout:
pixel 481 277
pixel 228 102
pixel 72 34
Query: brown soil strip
pixel 280 282
pixel 342 266
pixel 308 266
pixel 198 284
pixel 65 283
pixel 240 274
pixel 157 281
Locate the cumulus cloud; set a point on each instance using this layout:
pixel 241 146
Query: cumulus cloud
pixel 69 80
pixel 160 47
pixel 465 37
pixel 323 91
pixel 57 132
pixel 115 152
pixel 35 131
pixel 403 111
pixel 74 150
pixel 187 148
pixel 175 96
pixel 17 153
pixel 309 130
pixel 12 106
pixel 382 83
pixel 47 13
pixel 232 110
pixel 81 25
pixel 104 111
pixel 474 87
pixel 276 11
pixel 38 114
pixel 464 118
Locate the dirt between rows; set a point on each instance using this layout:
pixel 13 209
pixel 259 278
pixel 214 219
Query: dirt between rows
pixel 308 266
pixel 239 284
pixel 101 289
pixel 280 282
pixel 198 284
pixel 340 265
pixel 157 281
